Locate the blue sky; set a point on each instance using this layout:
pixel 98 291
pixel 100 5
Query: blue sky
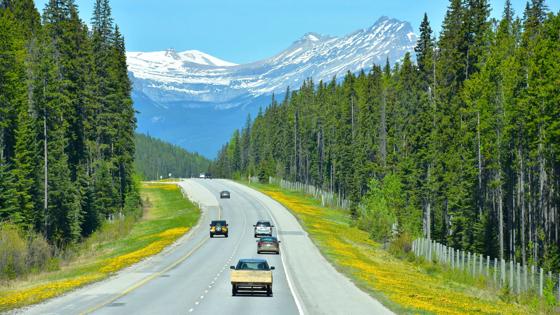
pixel 248 30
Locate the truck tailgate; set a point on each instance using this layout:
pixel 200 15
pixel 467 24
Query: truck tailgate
pixel 251 276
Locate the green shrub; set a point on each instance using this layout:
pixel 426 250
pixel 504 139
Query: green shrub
pixel 376 211
pixel 13 252
pixel 549 293
pixel 21 254
pixel 401 247
pixel 38 252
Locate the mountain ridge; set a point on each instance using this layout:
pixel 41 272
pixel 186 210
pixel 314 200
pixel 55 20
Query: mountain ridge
pixel 168 81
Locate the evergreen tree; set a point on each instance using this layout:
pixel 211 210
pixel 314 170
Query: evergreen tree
pixel 425 50
pixel 26 171
pixel 8 202
pixel 468 138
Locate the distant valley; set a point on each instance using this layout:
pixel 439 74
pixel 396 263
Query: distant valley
pixel 196 100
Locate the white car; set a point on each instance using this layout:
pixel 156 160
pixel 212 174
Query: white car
pixel 202 175
pixel 263 228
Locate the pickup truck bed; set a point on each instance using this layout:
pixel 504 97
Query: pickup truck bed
pixel 251 280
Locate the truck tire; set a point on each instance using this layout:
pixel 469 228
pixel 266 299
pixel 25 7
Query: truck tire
pixel 233 290
pixel 211 235
pixel 226 235
pixel 269 290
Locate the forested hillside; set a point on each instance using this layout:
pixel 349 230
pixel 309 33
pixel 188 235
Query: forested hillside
pixel 66 120
pixel 462 146
pixel 155 158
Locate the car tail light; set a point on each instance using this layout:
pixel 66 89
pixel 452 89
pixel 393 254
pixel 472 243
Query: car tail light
pixel 260 244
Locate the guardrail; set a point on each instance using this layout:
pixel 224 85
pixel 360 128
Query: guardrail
pixel 500 273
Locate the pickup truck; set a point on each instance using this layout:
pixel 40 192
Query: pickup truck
pixel 251 275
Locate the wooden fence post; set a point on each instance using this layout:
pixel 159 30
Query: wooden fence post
pixel 429 257
pixel 468 262
pixel 452 257
pixel 511 269
pixel 487 266
pixel 533 277
pixel 541 279
pixel 525 283
pixel 495 270
pixel 518 278
pixel 502 272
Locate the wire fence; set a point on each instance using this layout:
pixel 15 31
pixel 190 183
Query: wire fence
pixel 327 198
pixel 517 278
pixel 498 272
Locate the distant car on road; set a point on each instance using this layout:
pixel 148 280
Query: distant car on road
pixel 224 194
pixel 202 175
pixel 251 275
pixel 263 228
pixel 268 244
pixel 219 227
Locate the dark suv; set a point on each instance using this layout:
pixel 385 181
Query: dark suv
pixel 219 227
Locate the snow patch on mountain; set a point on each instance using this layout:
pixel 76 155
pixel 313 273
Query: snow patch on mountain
pixel 196 76
pixel 196 100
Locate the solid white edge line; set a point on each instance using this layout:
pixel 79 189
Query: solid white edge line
pixel 294 291
pixel 295 294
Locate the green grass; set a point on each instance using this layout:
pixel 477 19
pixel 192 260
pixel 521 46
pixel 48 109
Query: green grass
pixel 167 216
pixel 404 284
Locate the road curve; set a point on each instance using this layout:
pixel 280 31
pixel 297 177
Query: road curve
pixel 192 275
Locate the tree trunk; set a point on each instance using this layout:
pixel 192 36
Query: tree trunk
pixel 500 215
pixel 46 174
pixel 428 213
pixel 352 113
pixel 479 197
pixel 383 131
pixel 295 169
pixel 521 204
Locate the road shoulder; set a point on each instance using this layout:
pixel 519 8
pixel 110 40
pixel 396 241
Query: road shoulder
pixel 118 274
pixel 322 289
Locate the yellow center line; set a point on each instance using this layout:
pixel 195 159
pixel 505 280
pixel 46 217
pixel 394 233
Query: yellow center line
pixel 146 280
pixel 151 277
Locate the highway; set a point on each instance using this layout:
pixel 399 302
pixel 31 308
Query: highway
pixel 192 275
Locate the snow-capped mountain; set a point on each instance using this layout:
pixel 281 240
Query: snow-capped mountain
pixel 168 80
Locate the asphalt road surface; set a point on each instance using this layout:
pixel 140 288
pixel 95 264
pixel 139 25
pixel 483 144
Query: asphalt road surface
pixel 192 275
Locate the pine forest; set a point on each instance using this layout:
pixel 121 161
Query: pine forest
pixel 156 159
pixel 459 142
pixel 66 120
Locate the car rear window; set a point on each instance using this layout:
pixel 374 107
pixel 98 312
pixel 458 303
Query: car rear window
pixel 263 223
pixel 252 265
pixel 268 239
pixel 218 222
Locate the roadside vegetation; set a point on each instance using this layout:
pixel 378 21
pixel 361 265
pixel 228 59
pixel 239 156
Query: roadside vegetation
pixel 459 144
pixel 166 215
pixel 389 272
